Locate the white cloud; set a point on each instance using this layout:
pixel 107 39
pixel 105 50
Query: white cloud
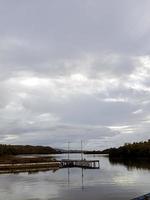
pixel 138 111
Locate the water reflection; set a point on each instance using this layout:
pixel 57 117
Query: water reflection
pixel 112 182
pixel 29 171
pixel 69 180
pixel 132 164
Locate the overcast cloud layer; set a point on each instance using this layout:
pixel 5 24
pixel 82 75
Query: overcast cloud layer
pixel 72 70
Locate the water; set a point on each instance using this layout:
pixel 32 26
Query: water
pixel 112 181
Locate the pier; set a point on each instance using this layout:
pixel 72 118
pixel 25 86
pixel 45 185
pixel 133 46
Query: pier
pixel 80 163
pixel 86 164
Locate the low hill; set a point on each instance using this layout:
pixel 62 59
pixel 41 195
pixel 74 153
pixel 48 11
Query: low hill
pixel 135 150
pixel 25 149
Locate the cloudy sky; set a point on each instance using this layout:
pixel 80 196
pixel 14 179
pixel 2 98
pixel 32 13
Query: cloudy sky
pixel 74 69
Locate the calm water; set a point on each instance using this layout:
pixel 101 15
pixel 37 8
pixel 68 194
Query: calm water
pixel 113 181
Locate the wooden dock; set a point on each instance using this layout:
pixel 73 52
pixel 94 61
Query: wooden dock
pixel 144 197
pixel 86 164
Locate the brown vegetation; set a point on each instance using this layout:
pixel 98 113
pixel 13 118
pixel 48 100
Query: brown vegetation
pixel 26 164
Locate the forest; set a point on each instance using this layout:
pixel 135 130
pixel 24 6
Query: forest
pixel 134 150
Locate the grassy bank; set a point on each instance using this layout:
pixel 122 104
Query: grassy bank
pixel 19 159
pixel 22 164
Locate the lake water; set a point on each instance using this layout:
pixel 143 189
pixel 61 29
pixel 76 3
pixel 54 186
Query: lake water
pixel 112 181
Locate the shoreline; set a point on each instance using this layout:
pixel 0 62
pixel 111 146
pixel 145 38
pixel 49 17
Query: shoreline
pixel 13 164
pixel 29 167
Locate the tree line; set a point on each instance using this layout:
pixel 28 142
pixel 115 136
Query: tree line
pixel 134 150
pixel 25 149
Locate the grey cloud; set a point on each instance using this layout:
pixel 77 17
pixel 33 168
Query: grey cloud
pixel 70 69
pixel 88 27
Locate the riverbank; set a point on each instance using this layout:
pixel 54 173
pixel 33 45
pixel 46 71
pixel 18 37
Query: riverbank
pixel 25 159
pixel 14 164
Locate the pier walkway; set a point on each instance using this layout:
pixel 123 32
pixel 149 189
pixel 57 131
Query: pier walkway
pixel 87 164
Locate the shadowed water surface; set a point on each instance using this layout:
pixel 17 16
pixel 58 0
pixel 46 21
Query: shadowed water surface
pixel 112 181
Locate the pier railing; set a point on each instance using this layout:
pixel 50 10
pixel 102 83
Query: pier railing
pixel 88 164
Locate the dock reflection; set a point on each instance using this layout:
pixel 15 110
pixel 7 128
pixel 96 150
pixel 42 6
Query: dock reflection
pixel 69 178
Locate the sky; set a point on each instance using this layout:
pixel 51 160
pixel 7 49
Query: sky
pixel 74 70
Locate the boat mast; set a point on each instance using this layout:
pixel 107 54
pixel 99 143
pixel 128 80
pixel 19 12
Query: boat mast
pixel 81 150
pixel 68 150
